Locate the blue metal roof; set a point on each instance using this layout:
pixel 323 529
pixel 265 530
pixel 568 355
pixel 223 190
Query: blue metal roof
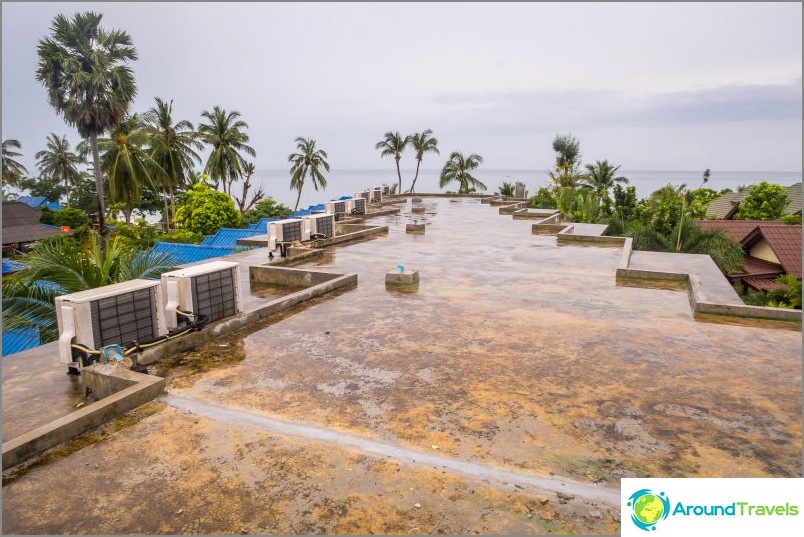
pixel 20 339
pixel 227 237
pixel 190 253
pixel 345 198
pixel 38 201
pixel 303 212
pixel 10 266
pixel 262 225
pixel 32 201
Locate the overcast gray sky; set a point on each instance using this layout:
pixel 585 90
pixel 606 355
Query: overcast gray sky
pixel 649 86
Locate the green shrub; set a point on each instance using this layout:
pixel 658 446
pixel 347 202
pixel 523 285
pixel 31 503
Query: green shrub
pixel 206 211
pixel 183 236
pixel 765 201
pixel 544 199
pixel 792 219
pixel 266 208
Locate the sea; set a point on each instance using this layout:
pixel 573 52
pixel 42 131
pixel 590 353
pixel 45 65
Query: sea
pixel 345 182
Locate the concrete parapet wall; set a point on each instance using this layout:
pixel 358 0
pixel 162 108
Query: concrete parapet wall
pixel 288 276
pixel 243 320
pixel 545 216
pixel 601 240
pixel 32 443
pixel 547 229
pixel 511 207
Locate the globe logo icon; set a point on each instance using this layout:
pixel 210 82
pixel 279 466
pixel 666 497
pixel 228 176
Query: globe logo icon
pixel 648 508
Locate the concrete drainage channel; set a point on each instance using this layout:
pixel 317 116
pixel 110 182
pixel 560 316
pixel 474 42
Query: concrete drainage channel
pixel 120 390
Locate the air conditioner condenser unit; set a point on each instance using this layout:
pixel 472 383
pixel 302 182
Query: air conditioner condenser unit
pixel 122 314
pixel 209 290
pixel 322 224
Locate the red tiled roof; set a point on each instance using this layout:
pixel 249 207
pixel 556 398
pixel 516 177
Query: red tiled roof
pixel 754 266
pixel 785 241
pixel 739 229
pixel 762 284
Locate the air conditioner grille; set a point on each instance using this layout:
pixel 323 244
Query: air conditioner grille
pixel 214 294
pixel 123 318
pixel 360 205
pixel 376 195
pixel 340 207
pixel 292 231
pixel 324 226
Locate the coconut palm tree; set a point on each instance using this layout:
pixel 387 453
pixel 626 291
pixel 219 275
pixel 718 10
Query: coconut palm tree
pixel 128 164
pixel 12 170
pixel 84 69
pixel 56 267
pixel 422 143
pixel 173 147
pixel 224 134
pixel 393 145
pixel 507 190
pixel 58 162
pixel 457 170
pixel 308 159
pixel 600 178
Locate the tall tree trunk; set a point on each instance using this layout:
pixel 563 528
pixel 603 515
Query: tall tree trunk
pixel 165 213
pixel 413 185
pixel 172 202
pixel 304 174
pixel 93 142
pixel 69 192
pixel 399 174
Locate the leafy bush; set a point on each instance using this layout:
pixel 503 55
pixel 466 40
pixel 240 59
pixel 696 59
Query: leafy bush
pixel 75 218
pixel 138 236
pixel 792 219
pixel 788 294
pixel 765 201
pixel 206 211
pixel 183 236
pixel 544 199
pixel 625 202
pixel 267 208
pixel 507 190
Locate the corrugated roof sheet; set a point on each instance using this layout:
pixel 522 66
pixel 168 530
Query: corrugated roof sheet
pixel 794 195
pixel 18 340
pixel 345 198
pixel 227 237
pixel 190 253
pixel 262 224
pixel 10 266
pixel 785 241
pixel 302 212
pixel 32 201
pixel 762 284
pixel 757 267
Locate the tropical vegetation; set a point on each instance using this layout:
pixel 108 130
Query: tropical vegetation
pixel 458 170
pixel 13 171
pixel 206 210
pixel 310 160
pixel 85 71
pixel 392 145
pixel 225 135
pixel 421 142
pixel 764 201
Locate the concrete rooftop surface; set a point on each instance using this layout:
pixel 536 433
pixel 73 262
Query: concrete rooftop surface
pixel 508 394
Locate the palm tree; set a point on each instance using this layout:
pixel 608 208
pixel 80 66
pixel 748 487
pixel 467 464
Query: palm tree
pixel 601 177
pixel 56 267
pixel 393 144
pixel 12 170
pixel 58 162
pixel 173 147
pixel 83 67
pixel 308 159
pixel 223 133
pixel 507 190
pixel 128 165
pixel 422 143
pixel 457 169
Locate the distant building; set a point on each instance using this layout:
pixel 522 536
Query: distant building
pixel 38 202
pixel 727 205
pixel 771 249
pixel 21 226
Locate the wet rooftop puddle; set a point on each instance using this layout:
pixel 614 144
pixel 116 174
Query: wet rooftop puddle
pixel 514 353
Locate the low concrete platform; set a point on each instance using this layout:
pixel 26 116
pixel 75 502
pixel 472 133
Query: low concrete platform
pixel 415 228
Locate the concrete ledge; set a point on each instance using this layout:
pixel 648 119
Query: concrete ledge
pixel 351 232
pixel 243 320
pixel 288 276
pixel 545 216
pixel 625 257
pixel 601 240
pixel 511 208
pixel 548 229
pixel 145 388
pixel 417 210
pixel 415 228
